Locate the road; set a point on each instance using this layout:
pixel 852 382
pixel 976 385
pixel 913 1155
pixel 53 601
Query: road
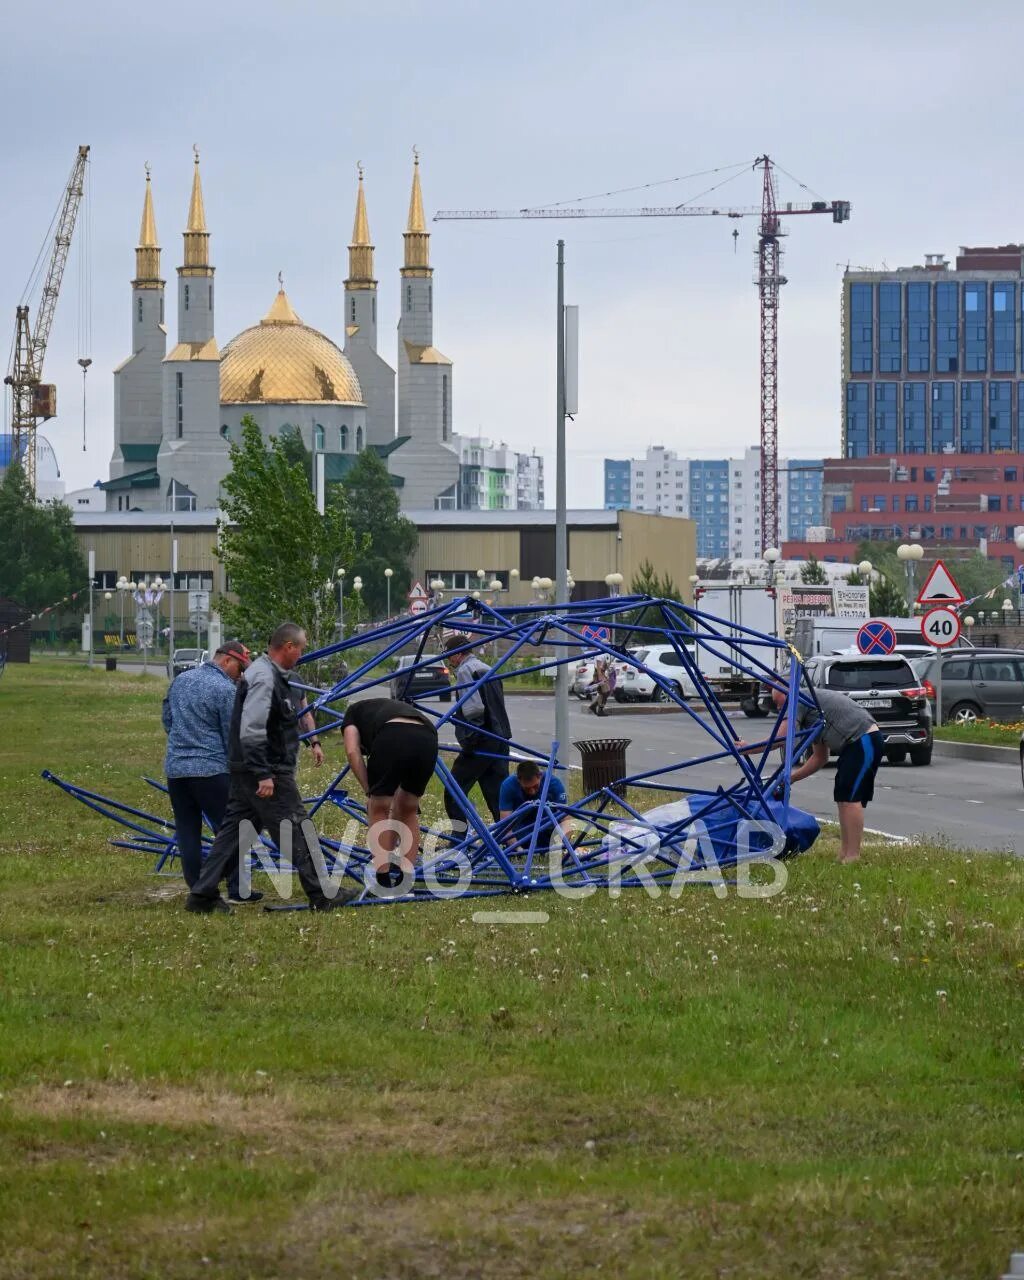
pixel 971 805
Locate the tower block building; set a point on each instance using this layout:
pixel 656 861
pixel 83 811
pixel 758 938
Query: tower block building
pixel 428 460
pixel 138 405
pixel 376 377
pixel 193 455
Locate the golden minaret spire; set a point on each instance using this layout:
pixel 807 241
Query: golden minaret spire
pixel 147 252
pixel 360 251
pixel 197 238
pixel 417 239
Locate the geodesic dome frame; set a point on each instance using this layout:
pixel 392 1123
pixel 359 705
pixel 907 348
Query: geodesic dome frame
pixel 699 830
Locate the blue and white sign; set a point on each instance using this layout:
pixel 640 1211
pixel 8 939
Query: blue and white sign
pixel 602 634
pixel 876 637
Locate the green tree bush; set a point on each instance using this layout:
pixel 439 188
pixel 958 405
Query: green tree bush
pixel 386 537
pixel 41 561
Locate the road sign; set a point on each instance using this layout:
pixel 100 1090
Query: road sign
pixel 876 637
pixel 940 587
pixel 416 605
pixel 601 633
pixel 198 602
pixel 941 627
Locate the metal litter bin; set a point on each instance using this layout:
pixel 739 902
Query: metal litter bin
pixel 111 664
pixel 604 764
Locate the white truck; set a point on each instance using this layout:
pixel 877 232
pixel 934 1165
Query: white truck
pixel 736 606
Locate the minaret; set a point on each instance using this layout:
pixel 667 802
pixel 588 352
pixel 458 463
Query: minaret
pixel 376 377
pixel 137 380
pixel 429 463
pixel 193 456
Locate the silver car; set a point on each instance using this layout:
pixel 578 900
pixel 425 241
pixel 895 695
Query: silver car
pixel 977 684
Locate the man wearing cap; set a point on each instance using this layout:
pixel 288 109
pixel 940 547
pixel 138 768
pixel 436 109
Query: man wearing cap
pixel 197 719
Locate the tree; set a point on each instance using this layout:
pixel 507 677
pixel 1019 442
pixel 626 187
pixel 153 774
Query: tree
pixel 41 561
pixel 812 572
pixel 646 582
pixel 280 554
pixel 388 538
pixel 295 451
pixel 886 599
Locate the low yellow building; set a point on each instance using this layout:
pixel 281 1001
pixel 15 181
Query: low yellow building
pixel 513 547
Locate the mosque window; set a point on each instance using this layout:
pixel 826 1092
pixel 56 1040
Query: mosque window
pixel 318 438
pixel 359 439
pixel 373 309
pixel 445 426
pixel 430 297
pixel 186 297
pixel 408 297
pixel 140 311
pixel 344 438
pixel 352 310
pixel 211 298
pixel 225 432
pixel 179 397
pixel 161 308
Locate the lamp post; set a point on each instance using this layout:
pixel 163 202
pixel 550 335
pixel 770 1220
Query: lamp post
pixel 545 585
pixel 389 574
pixel 1018 542
pixel 357 587
pixel 969 624
pixel 613 581
pixel 341 604
pixel 771 557
pixel 437 585
pixel 1007 610
pixel 123 587
pixel 910 553
pixel 513 580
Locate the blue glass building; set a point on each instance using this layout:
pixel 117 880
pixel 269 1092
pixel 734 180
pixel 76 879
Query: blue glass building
pixel 932 356
pixel 616 484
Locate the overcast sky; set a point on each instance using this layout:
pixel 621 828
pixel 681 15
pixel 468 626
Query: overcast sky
pixel 910 109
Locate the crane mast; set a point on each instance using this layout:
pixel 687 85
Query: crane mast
pixel 769 281
pixel 32 400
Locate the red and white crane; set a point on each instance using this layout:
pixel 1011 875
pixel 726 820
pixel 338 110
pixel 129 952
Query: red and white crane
pixel 769 281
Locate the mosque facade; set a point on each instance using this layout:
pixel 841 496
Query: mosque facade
pixel 176 412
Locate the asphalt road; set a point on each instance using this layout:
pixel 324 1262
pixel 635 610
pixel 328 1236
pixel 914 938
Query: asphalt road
pixel 970 805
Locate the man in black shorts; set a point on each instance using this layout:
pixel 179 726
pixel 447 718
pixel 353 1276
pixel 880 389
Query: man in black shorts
pixel 399 744
pixel 854 736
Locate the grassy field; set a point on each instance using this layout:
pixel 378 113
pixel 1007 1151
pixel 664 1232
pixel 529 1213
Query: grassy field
pixel 985 733
pixel 827 1083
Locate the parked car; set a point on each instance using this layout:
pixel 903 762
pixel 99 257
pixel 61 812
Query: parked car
pixel 183 659
pixel 634 685
pixel 891 691
pixel 432 677
pixel 581 676
pixel 981 684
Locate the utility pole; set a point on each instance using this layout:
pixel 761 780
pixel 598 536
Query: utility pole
pixel 561 532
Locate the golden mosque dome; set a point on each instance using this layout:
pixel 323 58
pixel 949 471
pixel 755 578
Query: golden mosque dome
pixel 283 361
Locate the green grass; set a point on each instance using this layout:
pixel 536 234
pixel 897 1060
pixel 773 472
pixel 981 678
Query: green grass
pixel 984 733
pixel 827 1083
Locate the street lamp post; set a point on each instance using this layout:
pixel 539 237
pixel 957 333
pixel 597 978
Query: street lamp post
pixel 123 587
pixel 969 624
pixel 1018 542
pixel 437 585
pixel 910 553
pixel 341 604
pixel 357 587
pixel 771 557
pixel 1007 610
pixel 613 581
pixel 389 574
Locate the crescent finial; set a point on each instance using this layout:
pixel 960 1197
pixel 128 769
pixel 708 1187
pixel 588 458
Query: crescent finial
pixel 359 166
pixel 146 167
pixel 195 151
pixel 280 279
pixel 415 154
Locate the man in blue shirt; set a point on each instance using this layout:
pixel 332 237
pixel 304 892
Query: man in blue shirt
pixel 197 718
pixel 517 791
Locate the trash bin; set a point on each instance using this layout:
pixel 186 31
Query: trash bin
pixel 604 764
pixel 111 664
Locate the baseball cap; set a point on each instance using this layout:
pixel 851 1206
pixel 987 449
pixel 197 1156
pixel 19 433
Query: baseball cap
pixel 235 649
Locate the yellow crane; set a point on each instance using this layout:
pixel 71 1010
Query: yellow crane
pixel 32 400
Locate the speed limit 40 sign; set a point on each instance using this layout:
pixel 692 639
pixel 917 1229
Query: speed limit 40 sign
pixel 941 627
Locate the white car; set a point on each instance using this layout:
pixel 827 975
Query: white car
pixel 635 685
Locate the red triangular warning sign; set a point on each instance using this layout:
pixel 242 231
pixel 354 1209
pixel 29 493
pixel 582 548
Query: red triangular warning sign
pixel 940 588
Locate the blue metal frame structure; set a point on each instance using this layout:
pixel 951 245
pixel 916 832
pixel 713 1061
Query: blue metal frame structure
pixel 582 844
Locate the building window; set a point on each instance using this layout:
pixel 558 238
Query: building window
pixel 858 408
pixel 318 438
pixel 910 502
pixel 1004 336
pixel 209 299
pixel 445 424
pixel 975 328
pixel 1000 416
pixel 972 417
pixel 947 327
pixel 861 327
pixel 890 328
pixel 161 308
pixel 186 297
pixel 943 417
pixel 359 439
pixel 179 405
pixel 343 433
pixel 352 310
pixel 373 308
pixel 408 297
pixel 886 435
pixel 919 328
pixel 430 297
pixel 140 311
pixel 225 433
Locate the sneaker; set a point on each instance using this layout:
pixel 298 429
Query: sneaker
pixel 340 899
pixel 237 900
pixel 206 906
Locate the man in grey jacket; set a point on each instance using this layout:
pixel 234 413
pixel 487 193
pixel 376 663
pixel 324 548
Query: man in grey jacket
pixel 262 756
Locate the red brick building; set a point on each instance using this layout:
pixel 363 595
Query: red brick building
pixel 955 504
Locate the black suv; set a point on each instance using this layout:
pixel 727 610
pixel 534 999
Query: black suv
pixel 889 689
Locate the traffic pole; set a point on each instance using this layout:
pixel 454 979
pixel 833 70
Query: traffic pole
pixel 561 533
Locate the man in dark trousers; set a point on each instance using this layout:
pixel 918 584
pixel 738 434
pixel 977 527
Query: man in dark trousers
pixel 482 758
pixel 263 751
pixel 197 719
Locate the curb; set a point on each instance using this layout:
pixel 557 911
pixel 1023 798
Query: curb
pixel 976 751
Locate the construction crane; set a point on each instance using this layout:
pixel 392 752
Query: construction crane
pixel 769 280
pixel 32 400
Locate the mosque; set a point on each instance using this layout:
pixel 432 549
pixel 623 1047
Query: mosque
pixel 175 412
